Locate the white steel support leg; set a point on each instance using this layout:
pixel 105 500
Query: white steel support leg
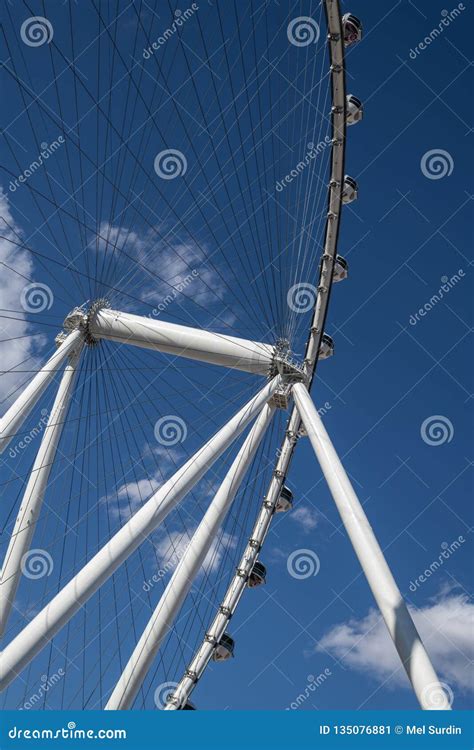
pixel 12 420
pixel 188 568
pixel 79 590
pixel 397 618
pixel 35 490
pixel 238 584
pixel 182 341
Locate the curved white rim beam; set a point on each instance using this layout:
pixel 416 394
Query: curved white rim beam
pixel 238 583
pixel 19 410
pixel 394 611
pixel 30 507
pixel 79 590
pixel 188 568
pixel 182 341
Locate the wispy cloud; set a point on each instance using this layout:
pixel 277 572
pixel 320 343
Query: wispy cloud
pixel 305 517
pixel 445 624
pixel 16 348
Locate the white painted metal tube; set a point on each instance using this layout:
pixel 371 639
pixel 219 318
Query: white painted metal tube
pixel 398 620
pixel 193 343
pixel 12 420
pixel 30 507
pixel 238 583
pixel 71 598
pixel 188 568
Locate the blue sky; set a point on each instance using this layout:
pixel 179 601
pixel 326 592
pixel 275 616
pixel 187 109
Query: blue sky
pixel 137 238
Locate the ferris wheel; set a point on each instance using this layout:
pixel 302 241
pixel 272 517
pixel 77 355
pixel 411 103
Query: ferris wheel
pixel 148 455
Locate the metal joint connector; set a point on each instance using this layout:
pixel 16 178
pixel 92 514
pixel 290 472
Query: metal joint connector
pixel 255 544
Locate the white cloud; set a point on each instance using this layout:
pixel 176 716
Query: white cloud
pixel 446 626
pixel 305 517
pixel 130 496
pixel 14 350
pixel 182 268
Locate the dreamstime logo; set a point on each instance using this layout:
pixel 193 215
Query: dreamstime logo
pixel 171 430
pixel 36 297
pixel 46 150
pixel 33 433
pixel 301 297
pixel 312 151
pixel 168 566
pixel 180 18
pixel 447 17
pixel 163 692
pixel 314 682
pixel 446 285
pixel 46 684
pixel 37 563
pixel 36 31
pixel 170 164
pixel 303 563
pixel 302 31
pixel 178 288
pixel 437 430
pixel 447 550
pixel 437 696
pixel 436 164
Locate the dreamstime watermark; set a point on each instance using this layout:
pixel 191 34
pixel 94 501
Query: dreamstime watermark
pixel 71 732
pixel 312 151
pixel 170 430
pixel 301 297
pixel 178 288
pixel 169 565
pixel 36 31
pixel 46 150
pixel 447 551
pixel 303 563
pixel 322 411
pixel 46 684
pixel 36 297
pixel 303 31
pixel 436 164
pixel 33 433
pixel 314 682
pixel 181 17
pixel 437 430
pixel 446 285
pixel 36 563
pixel 170 164
pixel 163 693
pixel 447 17
pixel 437 695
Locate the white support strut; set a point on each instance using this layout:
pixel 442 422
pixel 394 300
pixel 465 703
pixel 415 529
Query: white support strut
pixel 19 410
pixel 238 583
pixel 183 341
pixel 398 620
pixel 70 599
pixel 188 568
pixel 30 507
